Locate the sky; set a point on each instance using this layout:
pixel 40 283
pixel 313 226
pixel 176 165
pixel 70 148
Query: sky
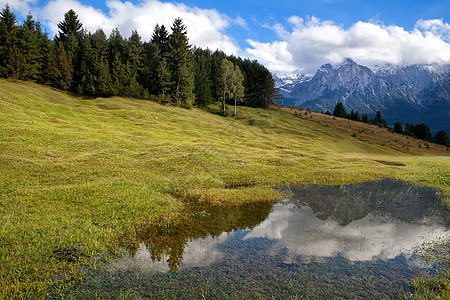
pixel 283 35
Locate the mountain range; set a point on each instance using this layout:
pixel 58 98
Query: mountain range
pixel 408 94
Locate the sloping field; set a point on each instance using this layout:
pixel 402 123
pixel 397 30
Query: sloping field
pixel 83 174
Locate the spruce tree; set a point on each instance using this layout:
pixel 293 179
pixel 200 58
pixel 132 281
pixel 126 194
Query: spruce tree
pixel 339 110
pixel 160 37
pixel 69 35
pixel 398 128
pixel 9 51
pixel 202 77
pixel 86 67
pixel 29 41
pixel 63 68
pixel 135 51
pixel 70 26
pixel 102 77
pixel 180 65
pixel 441 138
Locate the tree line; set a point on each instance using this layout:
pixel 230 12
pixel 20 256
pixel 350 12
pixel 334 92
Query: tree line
pixel 166 68
pixel 420 131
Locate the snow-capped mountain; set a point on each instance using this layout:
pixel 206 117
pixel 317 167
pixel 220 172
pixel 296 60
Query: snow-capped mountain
pixel 409 94
pixel 286 81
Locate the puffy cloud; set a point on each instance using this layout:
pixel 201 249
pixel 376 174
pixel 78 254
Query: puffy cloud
pixel 205 27
pixel 299 232
pixel 20 6
pixel 311 43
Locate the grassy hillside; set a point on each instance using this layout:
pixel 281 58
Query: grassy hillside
pixel 84 173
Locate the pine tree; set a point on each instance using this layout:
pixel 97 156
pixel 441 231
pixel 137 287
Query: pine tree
pixel 102 77
pixel 441 138
pixel 365 118
pixel 160 37
pixel 69 27
pixel 117 53
pixel 69 35
pixel 47 66
pixel 86 67
pixel 9 51
pixel 202 77
pixel 64 71
pixel 398 128
pixel 339 111
pixel 180 65
pixel 135 52
pixel 29 41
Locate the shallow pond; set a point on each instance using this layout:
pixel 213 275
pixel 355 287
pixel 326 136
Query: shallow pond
pixel 352 241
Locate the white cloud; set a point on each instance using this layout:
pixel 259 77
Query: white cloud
pixel 205 27
pixel 300 232
pixel 20 6
pixel 311 43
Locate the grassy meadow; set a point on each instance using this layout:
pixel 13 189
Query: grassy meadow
pixel 80 173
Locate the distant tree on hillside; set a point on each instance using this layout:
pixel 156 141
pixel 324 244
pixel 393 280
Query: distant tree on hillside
pixel 69 27
pixel 354 115
pixel 441 138
pixel 365 118
pixel 398 128
pixel 181 65
pixel 9 50
pixel 165 67
pixel 203 77
pixel 339 111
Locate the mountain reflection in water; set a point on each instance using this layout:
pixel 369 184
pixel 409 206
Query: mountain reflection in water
pixel 352 241
pixel 361 222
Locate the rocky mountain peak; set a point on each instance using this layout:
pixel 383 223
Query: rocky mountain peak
pixel 409 94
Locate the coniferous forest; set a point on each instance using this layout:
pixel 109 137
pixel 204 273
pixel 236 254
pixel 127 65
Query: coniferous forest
pixel 166 69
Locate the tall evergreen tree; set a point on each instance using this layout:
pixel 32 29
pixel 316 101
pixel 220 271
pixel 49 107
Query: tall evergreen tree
pixel 398 128
pixel 339 110
pixel 180 65
pixel 160 37
pixel 63 68
pixel 69 27
pixel 102 77
pixel 29 41
pixel 202 77
pixel 70 34
pixel 9 52
pixel 135 52
pixel 117 56
pixel 86 67
pixel 441 138
pixel 47 65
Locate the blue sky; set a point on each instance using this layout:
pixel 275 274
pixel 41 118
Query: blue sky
pixel 283 35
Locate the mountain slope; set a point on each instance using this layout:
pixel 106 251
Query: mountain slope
pixel 409 94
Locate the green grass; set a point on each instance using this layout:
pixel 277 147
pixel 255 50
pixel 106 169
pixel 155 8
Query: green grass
pixel 84 173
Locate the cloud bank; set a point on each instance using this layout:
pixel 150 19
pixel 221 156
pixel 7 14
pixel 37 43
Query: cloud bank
pixel 205 26
pixel 313 42
pixel 305 44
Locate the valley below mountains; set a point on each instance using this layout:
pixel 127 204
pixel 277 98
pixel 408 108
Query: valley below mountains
pixel 407 94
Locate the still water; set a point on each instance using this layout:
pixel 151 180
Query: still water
pixel 352 241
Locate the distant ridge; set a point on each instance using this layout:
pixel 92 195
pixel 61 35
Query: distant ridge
pixel 408 94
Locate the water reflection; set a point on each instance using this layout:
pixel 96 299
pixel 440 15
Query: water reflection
pixel 361 222
pixel 298 230
pixel 321 242
pixel 191 241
